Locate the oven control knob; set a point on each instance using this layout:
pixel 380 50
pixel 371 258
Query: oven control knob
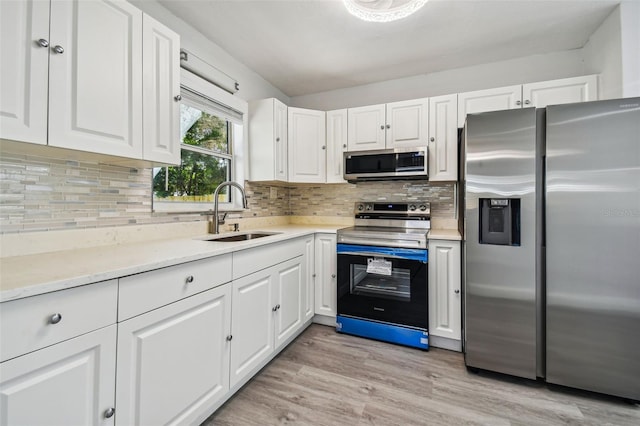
pixel 369 207
pixel 412 207
pixel 423 207
pixel 360 207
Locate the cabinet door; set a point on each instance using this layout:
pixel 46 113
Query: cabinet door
pixel 326 268
pixel 280 134
pixel 445 308
pixel 24 72
pixel 95 95
pixel 308 306
pixel 408 123
pixel 252 323
pixel 336 145
pixel 70 383
pixel 443 138
pixel 289 283
pixel 173 362
pixel 563 91
pixel 307 145
pixel 488 100
pixel 161 85
pixel 366 128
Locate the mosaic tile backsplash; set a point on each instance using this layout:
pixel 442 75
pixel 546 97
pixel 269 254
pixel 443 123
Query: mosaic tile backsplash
pixel 41 194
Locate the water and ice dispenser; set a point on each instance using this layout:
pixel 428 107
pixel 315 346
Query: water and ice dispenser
pixel 500 221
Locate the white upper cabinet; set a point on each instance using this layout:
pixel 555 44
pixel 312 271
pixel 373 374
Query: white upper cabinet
pixel 336 144
pixel 539 95
pixel 397 124
pixel 407 123
pixel 366 129
pixel 488 100
pixel 563 91
pixel 160 92
pixel 307 145
pixel 95 75
pixel 443 138
pixel 268 140
pixel 24 41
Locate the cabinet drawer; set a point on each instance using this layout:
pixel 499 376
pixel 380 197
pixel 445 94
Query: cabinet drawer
pixel 143 292
pixel 248 261
pixel 35 322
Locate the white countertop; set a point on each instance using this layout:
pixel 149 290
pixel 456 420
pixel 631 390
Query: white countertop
pixel 24 276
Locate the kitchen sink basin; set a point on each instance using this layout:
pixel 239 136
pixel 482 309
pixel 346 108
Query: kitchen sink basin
pixel 245 236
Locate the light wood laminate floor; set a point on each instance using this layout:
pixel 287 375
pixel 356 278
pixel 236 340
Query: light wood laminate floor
pixel 326 378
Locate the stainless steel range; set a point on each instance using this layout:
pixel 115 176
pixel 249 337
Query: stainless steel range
pixel 383 273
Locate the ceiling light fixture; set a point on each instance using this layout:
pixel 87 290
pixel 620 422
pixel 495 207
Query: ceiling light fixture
pixel 382 10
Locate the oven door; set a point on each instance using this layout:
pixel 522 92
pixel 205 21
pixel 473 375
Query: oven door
pixel 383 284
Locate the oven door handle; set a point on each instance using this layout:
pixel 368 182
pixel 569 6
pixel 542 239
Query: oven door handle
pixel 389 252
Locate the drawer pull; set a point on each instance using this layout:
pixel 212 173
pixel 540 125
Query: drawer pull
pixel 189 279
pixel 55 318
pixel 109 412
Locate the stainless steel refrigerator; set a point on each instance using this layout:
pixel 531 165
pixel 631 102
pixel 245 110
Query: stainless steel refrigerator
pixel 552 244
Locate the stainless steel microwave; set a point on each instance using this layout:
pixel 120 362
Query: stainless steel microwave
pixel 386 164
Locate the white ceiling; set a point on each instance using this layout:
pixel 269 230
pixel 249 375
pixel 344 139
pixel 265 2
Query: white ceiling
pixel 310 46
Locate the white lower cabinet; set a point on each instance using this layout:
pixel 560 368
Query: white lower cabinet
pixel 173 362
pixel 69 383
pixel 325 278
pixel 268 309
pixel 445 299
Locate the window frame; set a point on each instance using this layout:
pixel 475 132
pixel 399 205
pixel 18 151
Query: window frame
pixel 238 146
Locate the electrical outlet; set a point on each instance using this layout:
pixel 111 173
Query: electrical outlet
pixel 273 192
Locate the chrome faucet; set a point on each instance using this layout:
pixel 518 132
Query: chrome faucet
pixel 216 219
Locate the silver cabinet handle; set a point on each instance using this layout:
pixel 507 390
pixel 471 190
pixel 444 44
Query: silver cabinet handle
pixel 55 318
pixel 324 147
pixel 382 127
pixel 275 308
pixel 43 42
pixel 527 102
pixel 229 337
pixel 344 145
pixel 277 139
pixel 177 98
pixel 313 276
pixel 333 275
pixel 109 412
pixel 518 103
pixel 189 279
pixel 388 126
pixel 456 291
pixel 58 49
pixel 432 139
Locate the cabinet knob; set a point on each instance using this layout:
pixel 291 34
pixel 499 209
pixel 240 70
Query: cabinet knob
pixel 109 412
pixel 333 275
pixel 313 276
pixel 388 126
pixel 518 103
pixel 43 42
pixel 344 145
pixel 277 139
pixel 456 291
pixel 58 49
pixel 382 127
pixel 432 139
pixel 324 147
pixel 527 102
pixel 229 337
pixel 189 279
pixel 177 98
pixel 275 308
pixel 55 318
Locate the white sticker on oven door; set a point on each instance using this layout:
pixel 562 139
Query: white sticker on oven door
pixel 378 266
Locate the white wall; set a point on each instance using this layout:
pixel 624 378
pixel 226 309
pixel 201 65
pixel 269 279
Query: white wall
pixel 252 85
pixel 515 71
pixel 603 55
pixel 630 37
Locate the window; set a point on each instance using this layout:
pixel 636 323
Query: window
pixel 209 133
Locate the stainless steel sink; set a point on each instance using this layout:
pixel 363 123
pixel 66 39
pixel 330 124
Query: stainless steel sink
pixel 245 236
